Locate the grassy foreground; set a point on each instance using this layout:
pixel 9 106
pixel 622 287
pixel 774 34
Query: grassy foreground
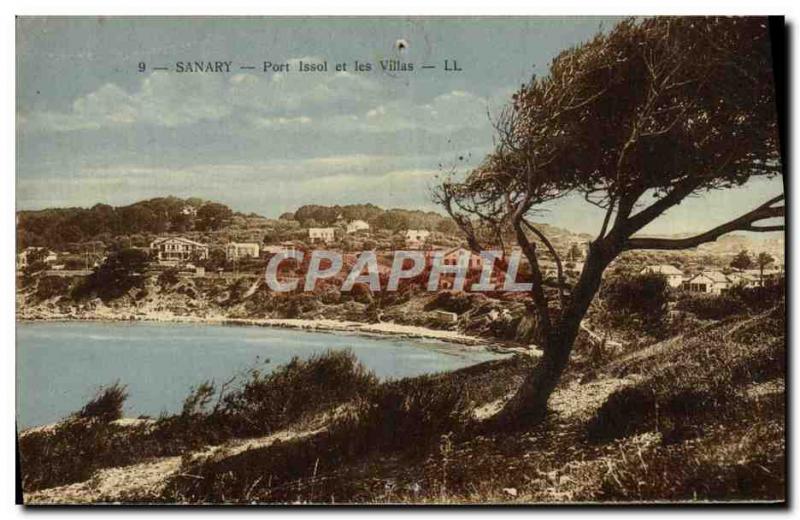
pixel 697 417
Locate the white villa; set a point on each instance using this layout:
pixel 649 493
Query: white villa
pixel 177 249
pixel 356 225
pixel 673 275
pixel 710 282
pixel 239 250
pixel 321 234
pixel 416 237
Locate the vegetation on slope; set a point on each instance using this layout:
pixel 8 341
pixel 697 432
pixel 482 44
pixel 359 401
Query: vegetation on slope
pixel 695 417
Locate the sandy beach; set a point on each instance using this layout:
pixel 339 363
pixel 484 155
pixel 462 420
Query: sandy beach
pixel 317 325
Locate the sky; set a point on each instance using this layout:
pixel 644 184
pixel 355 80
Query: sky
pixel 92 128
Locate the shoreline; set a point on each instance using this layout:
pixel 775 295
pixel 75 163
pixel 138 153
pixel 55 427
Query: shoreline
pixel 384 329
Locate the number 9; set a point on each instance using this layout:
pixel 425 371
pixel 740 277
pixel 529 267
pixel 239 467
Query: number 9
pixel 142 66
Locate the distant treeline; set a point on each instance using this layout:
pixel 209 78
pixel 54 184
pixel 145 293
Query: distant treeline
pixel 391 219
pixel 57 227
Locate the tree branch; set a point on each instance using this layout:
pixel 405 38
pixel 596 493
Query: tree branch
pixel 635 222
pixel 607 218
pixel 742 223
pixel 537 288
pixel 559 269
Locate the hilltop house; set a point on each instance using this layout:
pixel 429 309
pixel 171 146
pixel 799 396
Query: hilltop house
pixel 189 211
pixel 673 275
pixel 321 234
pixel 239 250
pixel 416 237
pixel 710 282
pixel 177 249
pixel 356 225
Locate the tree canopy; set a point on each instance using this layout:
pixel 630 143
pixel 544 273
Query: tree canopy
pixel 638 118
pixel 633 121
pixel 742 260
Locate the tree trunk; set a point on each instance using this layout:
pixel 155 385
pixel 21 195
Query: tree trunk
pixel 529 405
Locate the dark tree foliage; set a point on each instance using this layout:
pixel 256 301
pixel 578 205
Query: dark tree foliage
pixel 212 216
pixel 168 277
pixel 122 271
pixel 634 121
pixel 393 221
pixel 742 260
pixel 36 264
pixel 216 260
pixel 51 286
pixel 317 215
pixel 764 259
pixel 643 296
pixel 390 219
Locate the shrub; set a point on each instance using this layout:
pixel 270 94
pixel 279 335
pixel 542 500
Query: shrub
pixel 73 449
pixel 700 376
pixel 407 416
pixel 122 271
pixel 51 286
pixel 451 302
pixel 67 453
pixel 265 402
pixel 168 277
pixel 711 307
pixel 90 440
pixel 198 399
pixel 362 293
pixel 643 296
pixel 738 462
pixel 736 300
pixel 400 420
pixel 106 405
pixel 759 298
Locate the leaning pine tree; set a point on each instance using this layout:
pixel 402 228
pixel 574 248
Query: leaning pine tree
pixel 634 121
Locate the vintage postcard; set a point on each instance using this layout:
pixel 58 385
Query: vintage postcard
pixel 401 260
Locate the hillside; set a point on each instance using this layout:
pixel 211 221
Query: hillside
pixel 83 230
pixel 729 245
pixel 698 417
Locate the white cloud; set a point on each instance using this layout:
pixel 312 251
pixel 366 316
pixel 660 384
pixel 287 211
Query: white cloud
pixel 163 99
pixel 328 101
pixel 271 122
